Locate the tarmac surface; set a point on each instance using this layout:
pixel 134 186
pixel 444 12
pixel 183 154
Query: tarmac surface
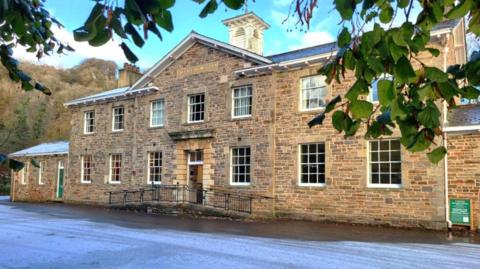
pixel 69 236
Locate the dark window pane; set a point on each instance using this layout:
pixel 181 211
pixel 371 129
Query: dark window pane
pixel 384 145
pixel 385 178
pixel 395 155
pixel 374 145
pixel 396 178
pixel 396 167
pixel 375 178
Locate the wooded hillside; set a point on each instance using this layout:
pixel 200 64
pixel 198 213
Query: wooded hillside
pixel 28 118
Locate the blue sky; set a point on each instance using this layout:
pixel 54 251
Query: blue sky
pixel 73 13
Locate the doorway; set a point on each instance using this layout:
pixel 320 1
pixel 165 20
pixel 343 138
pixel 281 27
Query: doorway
pixel 195 176
pixel 60 177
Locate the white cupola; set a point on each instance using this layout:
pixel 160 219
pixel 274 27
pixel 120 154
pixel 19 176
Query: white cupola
pixel 246 32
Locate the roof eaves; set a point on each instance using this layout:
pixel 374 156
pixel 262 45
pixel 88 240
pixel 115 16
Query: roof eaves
pixel 101 98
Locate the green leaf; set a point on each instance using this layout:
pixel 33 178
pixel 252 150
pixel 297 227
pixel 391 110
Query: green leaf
pixel 349 59
pixel 234 4
pixel 117 27
pixel 359 87
pixel 100 39
pixel 403 70
pixel 386 92
pixel 448 90
pixel 386 14
pixel 128 53
pixel 460 10
pixel 344 38
pixel 317 120
pixel 345 8
pixel 470 92
pixel 361 109
pixel 153 28
pixel 209 8
pixel 164 20
pixel 331 105
pixel 403 3
pixel 398 38
pixel 429 116
pixel 397 52
pixel 84 34
pixel 398 110
pixel 435 74
pixel 338 118
pixel 426 91
pixel 352 130
pixel 434 52
pixel 375 64
pixel 137 39
pixel 437 154
pixel 165 4
pixel 97 12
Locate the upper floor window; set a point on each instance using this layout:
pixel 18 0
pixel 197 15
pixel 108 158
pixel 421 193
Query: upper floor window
pixel 196 107
pixel 373 96
pixel 155 167
pixel 118 118
pixel 157 112
pixel 86 169
pixel 89 122
pixel 242 101
pixel 385 169
pixel 40 173
pixel 313 92
pixel 240 167
pixel 312 164
pixel 115 168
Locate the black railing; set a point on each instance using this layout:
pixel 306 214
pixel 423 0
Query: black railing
pixel 182 194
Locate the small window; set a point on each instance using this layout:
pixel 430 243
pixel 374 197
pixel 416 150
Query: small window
pixel 115 168
pixel 312 164
pixel 313 92
pixel 86 172
pixel 196 107
pixel 157 111
pixel 118 118
pixel 21 174
pixel 385 163
pixel 40 173
pixel 154 167
pixel 89 122
pixel 240 167
pixel 242 102
pixel 195 157
pixel 373 96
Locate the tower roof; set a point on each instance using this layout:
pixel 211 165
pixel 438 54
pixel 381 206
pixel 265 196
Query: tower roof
pixel 247 17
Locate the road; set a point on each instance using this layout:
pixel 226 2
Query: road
pixel 67 236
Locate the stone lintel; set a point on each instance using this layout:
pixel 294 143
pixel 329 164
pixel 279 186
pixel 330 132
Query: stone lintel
pixel 196 134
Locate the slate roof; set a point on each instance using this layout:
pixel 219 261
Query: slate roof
pixel 51 148
pixel 466 115
pixel 302 53
pixel 445 25
pixel 118 92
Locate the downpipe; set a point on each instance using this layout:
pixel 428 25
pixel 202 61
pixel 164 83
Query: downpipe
pixel 445 159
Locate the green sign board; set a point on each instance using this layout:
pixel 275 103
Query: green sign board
pixel 460 211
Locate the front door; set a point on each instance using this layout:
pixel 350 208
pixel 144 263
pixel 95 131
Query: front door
pixel 61 172
pixel 195 177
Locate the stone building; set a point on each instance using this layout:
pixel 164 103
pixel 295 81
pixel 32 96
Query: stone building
pixel 215 115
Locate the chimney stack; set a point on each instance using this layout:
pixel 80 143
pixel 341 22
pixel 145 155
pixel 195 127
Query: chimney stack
pixel 128 75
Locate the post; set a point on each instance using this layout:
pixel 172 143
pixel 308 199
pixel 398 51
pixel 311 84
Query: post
pixel 124 197
pixel 109 197
pixel 141 195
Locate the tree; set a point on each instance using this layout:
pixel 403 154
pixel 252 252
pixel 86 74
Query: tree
pixel 407 100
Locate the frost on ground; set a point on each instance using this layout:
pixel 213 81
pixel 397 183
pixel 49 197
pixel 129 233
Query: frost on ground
pixel 64 236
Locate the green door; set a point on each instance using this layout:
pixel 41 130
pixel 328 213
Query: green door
pixel 60 179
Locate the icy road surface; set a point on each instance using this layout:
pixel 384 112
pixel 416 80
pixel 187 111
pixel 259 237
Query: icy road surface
pixel 66 236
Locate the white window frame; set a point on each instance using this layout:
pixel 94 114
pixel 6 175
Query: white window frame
pixel 40 173
pixel 162 101
pixel 247 87
pixel 384 76
pixel 86 123
pixel 369 171
pixel 149 181
pixel 82 169
pixel 196 161
pixel 231 167
pixel 190 104
pixel 300 183
pixel 113 118
pixel 304 109
pixel 22 175
pixel 110 181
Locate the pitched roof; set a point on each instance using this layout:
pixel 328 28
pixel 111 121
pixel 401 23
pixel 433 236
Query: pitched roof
pixel 305 52
pixel 51 148
pixel 122 92
pixel 467 115
pixel 446 25
pixel 188 42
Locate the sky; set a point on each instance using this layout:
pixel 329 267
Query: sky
pixel 277 39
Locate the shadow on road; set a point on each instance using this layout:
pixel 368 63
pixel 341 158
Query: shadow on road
pixel 297 230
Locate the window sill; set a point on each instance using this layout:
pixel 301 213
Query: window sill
pixel 193 122
pixel 115 182
pixel 238 118
pixel 117 131
pixel 384 186
pixel 88 134
pixel 86 182
pixel 155 183
pixel 317 185
pixel 240 184
pixel 311 110
pixel 156 127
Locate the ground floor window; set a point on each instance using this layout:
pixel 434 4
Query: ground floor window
pixel 312 164
pixel 385 163
pixel 40 173
pixel 154 167
pixel 115 168
pixel 240 167
pixel 86 172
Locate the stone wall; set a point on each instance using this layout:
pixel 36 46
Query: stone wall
pixel 464 170
pixel 32 190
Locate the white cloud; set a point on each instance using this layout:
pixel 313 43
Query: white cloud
pixel 312 39
pixel 109 51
